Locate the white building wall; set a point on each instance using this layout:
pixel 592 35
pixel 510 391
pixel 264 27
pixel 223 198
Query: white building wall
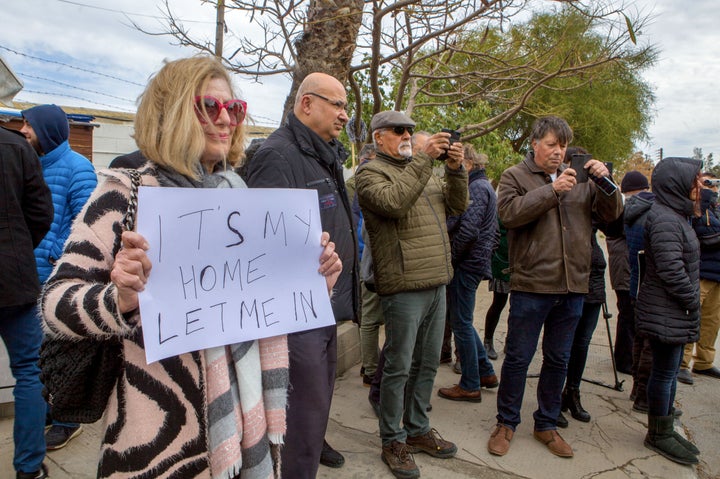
pixel 111 140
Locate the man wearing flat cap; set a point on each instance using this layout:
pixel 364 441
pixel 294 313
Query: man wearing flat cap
pixel 404 206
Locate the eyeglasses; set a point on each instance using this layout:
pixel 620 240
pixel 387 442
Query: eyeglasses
pixel 339 104
pixel 400 130
pixel 211 106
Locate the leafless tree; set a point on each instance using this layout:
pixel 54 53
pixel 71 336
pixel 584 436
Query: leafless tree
pixel 364 42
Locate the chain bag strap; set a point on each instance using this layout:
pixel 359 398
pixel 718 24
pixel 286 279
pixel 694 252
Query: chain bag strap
pixel 131 214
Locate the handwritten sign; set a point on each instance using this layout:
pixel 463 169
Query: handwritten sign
pixel 229 265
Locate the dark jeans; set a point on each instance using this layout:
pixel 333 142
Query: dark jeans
pixel 492 317
pixel 625 332
pixel 529 313
pixel 22 334
pixel 313 362
pixel 581 343
pixel 461 305
pixel 642 361
pixel 661 386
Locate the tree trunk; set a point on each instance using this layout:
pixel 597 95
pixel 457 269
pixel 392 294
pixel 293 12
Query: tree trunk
pixel 327 43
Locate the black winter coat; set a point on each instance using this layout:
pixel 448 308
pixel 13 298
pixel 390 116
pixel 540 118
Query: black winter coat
pixel 294 156
pixel 668 303
pixel 26 213
pixel 596 285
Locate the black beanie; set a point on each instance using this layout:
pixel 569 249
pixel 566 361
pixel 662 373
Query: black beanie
pixel 633 181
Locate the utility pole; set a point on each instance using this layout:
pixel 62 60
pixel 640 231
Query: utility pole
pixel 219 28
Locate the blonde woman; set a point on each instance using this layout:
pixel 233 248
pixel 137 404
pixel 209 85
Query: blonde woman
pixel 184 416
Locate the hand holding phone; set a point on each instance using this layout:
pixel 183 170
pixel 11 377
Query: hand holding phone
pixel 454 137
pixel 577 163
pixel 604 183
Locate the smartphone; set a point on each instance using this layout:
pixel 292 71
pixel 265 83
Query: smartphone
pixel 454 137
pixel 577 163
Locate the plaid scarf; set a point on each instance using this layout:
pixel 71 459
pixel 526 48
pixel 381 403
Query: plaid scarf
pixel 247 398
pixel 246 383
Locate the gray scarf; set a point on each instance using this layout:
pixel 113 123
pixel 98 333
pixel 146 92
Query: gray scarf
pixel 218 179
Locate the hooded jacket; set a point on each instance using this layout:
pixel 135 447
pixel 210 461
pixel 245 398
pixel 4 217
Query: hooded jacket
pixel 70 176
pixel 668 302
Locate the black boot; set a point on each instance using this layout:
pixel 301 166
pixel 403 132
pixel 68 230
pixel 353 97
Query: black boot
pixel 562 421
pixel 633 393
pixel 640 403
pixel 661 439
pixel 330 457
pixel 490 349
pixel 571 401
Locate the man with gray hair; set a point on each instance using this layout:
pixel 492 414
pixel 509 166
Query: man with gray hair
pixel 548 215
pixel 404 207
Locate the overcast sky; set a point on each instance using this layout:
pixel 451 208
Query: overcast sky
pixel 70 51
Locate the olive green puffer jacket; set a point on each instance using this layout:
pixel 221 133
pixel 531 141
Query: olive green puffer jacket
pixel 404 206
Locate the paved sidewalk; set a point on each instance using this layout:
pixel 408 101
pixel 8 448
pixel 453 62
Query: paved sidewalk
pixel 609 447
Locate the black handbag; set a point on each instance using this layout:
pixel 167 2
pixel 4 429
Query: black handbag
pixel 79 375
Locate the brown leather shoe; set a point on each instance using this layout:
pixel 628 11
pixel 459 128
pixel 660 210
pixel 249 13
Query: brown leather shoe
pixel 456 393
pixel 499 443
pixel 400 461
pixel 490 381
pixel 554 442
pixel 432 443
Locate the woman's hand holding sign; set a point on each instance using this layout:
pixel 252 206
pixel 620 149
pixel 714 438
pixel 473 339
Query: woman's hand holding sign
pixel 131 270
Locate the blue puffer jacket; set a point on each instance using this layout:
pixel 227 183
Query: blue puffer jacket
pixel 70 176
pixel 472 234
pixel 707 228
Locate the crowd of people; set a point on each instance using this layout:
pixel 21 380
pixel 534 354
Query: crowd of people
pixel 403 250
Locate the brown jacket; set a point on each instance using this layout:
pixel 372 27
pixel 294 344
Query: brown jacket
pixel 549 235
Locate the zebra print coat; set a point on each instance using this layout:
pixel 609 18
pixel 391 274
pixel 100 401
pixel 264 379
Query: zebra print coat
pixel 155 425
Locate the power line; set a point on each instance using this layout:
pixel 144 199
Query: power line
pixel 70 66
pixel 75 87
pixel 157 17
pixel 78 98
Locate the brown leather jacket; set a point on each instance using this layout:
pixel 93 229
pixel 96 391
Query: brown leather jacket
pixel 549 235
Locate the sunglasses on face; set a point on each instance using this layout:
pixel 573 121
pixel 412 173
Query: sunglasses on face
pixel 212 107
pixel 400 130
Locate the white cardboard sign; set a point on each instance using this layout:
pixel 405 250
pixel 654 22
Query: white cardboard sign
pixel 229 265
